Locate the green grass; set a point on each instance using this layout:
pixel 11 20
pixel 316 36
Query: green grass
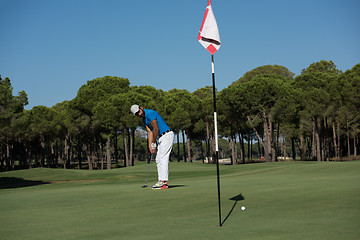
pixel 284 200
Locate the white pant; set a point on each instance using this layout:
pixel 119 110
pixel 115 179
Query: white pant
pixel 165 144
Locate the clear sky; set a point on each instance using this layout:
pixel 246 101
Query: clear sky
pixel 50 48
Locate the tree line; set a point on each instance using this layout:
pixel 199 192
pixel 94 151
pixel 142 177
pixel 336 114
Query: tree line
pixel 315 114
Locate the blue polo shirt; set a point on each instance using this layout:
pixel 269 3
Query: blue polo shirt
pixel 151 115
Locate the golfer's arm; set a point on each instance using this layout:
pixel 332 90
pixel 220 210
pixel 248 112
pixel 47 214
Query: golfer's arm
pixel 150 136
pixel 155 131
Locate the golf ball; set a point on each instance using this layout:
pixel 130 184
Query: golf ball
pixel 243 208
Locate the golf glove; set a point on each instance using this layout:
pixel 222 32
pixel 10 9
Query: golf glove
pixel 153 145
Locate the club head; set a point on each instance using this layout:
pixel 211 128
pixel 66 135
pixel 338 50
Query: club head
pixel 144 186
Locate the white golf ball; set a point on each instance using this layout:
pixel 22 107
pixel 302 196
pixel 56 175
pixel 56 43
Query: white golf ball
pixel 243 208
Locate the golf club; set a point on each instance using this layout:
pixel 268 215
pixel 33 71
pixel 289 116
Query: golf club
pixel 145 185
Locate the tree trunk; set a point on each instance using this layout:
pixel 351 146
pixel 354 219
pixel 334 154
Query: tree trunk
pixel 242 158
pixel 89 162
pixel 101 156
pixel 132 146
pixel 258 136
pixel 355 147
pixel 259 149
pixel 189 148
pixel 273 132
pixel 248 147
pixel 235 149
pixel 178 146
pixel 108 152
pixel 276 143
pixel 202 152
pixel 87 149
pixel 28 157
pixel 336 149
pixel 267 134
pixel 42 154
pixel 302 145
pixel 284 148
pixel 242 148
pixel 52 154
pixel 70 153
pixel 313 146
pixel 213 150
pixel 293 149
pixel 232 150
pixel 2 160
pixel 9 160
pixel 267 144
pixel 66 151
pixel 324 150
pixel 318 143
pixel 184 142
pixel 131 136
pixel 116 152
pixel 338 139
pixel 79 156
pixel 126 160
pixel 207 138
pixel 348 138
pixel 94 159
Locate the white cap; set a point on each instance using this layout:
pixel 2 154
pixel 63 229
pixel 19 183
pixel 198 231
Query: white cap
pixel 134 108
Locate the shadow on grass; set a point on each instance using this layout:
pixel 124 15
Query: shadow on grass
pixel 175 186
pixel 12 182
pixel 235 199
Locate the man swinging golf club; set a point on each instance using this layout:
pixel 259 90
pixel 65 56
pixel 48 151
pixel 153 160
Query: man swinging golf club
pixel 161 137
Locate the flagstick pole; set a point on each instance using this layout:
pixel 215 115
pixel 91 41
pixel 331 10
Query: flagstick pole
pixel 216 138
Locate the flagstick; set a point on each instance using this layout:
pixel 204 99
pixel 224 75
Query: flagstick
pixel 216 138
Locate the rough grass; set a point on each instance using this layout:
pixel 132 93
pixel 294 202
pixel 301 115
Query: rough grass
pixel 285 200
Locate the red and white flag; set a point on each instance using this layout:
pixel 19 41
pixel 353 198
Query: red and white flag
pixel 209 34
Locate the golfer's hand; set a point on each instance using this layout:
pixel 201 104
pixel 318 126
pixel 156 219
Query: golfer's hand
pixel 152 148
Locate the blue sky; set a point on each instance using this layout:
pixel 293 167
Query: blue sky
pixel 50 48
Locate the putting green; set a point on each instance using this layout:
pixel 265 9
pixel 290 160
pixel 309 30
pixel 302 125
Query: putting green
pixel 284 200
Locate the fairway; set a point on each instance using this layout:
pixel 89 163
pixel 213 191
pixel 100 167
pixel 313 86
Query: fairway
pixel 284 200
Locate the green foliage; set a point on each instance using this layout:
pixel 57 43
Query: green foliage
pixel 265 70
pixel 42 122
pixel 313 95
pixel 350 98
pixel 99 89
pixel 11 107
pixel 180 109
pixel 204 113
pixel 351 87
pixel 11 121
pixel 267 103
pixel 322 66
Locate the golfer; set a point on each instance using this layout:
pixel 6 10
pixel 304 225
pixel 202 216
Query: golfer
pixel 161 137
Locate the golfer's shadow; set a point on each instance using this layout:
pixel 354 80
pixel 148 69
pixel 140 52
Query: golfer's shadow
pixel 235 199
pixel 175 186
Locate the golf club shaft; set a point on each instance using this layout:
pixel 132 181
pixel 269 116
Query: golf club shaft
pixel 148 170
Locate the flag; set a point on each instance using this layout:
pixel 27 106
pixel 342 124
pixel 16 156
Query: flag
pixel 209 33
